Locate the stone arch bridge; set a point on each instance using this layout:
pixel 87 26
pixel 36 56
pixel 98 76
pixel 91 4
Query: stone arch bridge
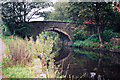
pixel 64 29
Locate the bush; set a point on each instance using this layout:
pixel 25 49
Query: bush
pixel 108 34
pixel 22 30
pixel 43 48
pixel 42 45
pixel 80 34
pixel 85 43
pixel 93 38
pixel 5 31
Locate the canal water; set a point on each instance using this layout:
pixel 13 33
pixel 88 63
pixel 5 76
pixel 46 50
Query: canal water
pixel 83 64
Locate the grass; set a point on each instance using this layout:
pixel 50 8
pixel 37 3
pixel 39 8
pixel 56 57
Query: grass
pixel 19 72
pixel 6 40
pixel 85 43
pixel 18 51
pixel 12 49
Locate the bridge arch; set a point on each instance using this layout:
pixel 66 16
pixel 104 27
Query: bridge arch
pixel 64 29
pixel 64 35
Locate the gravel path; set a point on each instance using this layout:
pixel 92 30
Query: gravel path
pixel 2 48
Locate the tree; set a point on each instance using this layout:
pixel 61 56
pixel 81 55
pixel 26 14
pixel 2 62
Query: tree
pixel 99 14
pixel 59 13
pixel 15 15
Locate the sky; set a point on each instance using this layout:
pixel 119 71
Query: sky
pixel 37 17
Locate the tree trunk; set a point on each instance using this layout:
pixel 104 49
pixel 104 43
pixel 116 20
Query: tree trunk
pixel 97 19
pixel 99 35
pixel 24 11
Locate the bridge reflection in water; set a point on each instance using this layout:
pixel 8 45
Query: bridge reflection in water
pixel 79 62
pixel 86 64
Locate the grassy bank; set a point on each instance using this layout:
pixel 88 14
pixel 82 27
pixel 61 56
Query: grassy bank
pixel 20 54
pixel 92 41
pixel 13 65
pixel 19 72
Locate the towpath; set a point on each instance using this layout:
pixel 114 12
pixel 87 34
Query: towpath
pixel 2 49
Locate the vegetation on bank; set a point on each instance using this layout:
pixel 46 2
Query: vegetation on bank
pixel 99 17
pixel 20 54
pixel 83 40
pixel 19 72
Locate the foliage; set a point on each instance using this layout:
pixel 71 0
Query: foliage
pixel 117 46
pixel 59 13
pixel 115 22
pixel 19 72
pixel 0 26
pixel 43 45
pixel 85 44
pixel 108 46
pixel 5 31
pixel 22 30
pixel 108 34
pixel 80 12
pixel 99 13
pixel 80 34
pixel 19 52
pixel 15 15
pixel 93 38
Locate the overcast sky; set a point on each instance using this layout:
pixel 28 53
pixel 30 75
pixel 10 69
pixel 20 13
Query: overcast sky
pixel 37 17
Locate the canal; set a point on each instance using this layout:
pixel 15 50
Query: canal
pixel 83 64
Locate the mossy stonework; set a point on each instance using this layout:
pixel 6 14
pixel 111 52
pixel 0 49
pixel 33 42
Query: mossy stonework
pixel 66 32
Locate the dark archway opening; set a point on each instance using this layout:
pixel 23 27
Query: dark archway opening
pixel 65 45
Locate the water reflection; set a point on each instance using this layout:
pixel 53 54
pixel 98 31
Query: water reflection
pixel 89 64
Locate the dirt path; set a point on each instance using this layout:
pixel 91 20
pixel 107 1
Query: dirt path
pixel 2 48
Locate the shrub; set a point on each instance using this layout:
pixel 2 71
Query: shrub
pixel 42 45
pixel 93 38
pixel 85 43
pixel 5 31
pixel 80 35
pixel 22 30
pixel 108 34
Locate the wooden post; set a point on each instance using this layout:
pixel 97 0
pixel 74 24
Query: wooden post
pixel 72 77
pixel 69 77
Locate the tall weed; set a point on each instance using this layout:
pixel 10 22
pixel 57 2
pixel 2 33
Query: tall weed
pixel 20 52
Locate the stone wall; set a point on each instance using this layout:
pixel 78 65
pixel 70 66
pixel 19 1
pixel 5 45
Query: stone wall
pixel 58 26
pixel 115 40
